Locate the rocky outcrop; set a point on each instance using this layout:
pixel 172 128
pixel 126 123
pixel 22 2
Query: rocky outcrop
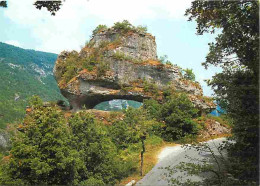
pixel 4 140
pixel 139 46
pixel 120 65
pixel 213 128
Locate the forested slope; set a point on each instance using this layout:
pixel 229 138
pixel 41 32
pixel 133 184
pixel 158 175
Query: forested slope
pixel 24 73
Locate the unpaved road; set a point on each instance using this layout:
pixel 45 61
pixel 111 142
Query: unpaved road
pixel 172 156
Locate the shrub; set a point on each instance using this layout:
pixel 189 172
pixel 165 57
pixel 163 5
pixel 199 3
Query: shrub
pixel 124 26
pixel 35 101
pixel 168 63
pixel 104 44
pixel 102 67
pixel 141 29
pixel 93 182
pixel 70 66
pixel 164 60
pixel 98 29
pixel 188 74
pixel 177 112
pixel 73 64
pixel 119 56
pixel 150 87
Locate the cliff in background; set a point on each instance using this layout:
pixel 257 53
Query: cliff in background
pixel 24 73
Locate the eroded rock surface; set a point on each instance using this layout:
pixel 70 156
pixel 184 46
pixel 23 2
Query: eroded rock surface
pixel 120 65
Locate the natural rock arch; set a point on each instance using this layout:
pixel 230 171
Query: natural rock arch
pixel 120 65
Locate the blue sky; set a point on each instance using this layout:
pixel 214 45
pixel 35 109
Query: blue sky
pixel 24 26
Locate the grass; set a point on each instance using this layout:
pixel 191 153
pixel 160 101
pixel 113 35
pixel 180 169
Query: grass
pixel 223 119
pixel 154 145
pixel 121 56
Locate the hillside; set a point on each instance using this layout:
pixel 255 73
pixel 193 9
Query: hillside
pixel 24 73
pixel 28 72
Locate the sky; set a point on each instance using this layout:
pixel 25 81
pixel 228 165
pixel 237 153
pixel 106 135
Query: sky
pixel 22 25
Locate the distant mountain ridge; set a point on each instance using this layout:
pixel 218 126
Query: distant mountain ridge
pixel 24 73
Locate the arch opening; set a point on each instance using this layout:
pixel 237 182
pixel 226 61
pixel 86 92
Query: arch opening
pixel 117 104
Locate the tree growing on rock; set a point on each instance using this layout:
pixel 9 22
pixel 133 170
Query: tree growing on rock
pixel 189 74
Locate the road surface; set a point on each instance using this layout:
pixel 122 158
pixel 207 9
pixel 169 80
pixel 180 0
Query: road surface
pixel 172 156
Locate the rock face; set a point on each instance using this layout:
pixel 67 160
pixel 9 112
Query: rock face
pixel 213 128
pixel 120 65
pixel 135 45
pixel 4 140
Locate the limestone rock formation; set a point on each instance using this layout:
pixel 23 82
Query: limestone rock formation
pixel 4 140
pixel 120 64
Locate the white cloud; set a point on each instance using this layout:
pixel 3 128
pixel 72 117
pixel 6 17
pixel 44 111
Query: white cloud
pixel 14 42
pixel 136 9
pixel 73 23
pixel 65 31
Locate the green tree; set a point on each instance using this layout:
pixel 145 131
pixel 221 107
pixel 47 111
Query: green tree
pixel 134 129
pixel 3 4
pixel 177 113
pixel 99 153
pixel 236 50
pixel 52 6
pixel 41 151
pixel 49 149
pixel 139 126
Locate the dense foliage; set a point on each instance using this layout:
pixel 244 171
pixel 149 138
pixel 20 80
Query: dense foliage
pixel 41 153
pixel 177 114
pixel 69 68
pixel 3 4
pixel 24 73
pixel 52 149
pixel 236 49
pixel 52 6
pixel 126 26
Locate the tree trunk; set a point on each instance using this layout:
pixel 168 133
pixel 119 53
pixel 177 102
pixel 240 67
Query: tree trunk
pixel 142 158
